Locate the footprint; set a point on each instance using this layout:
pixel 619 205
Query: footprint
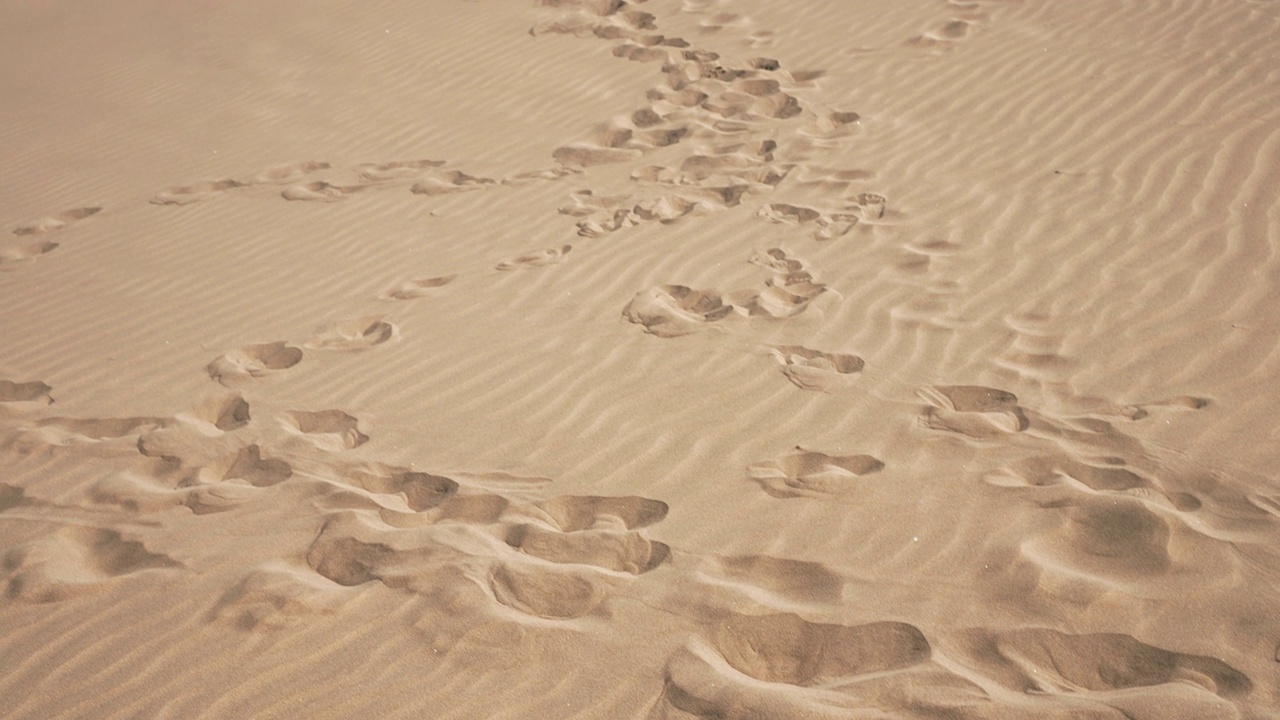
pixel 674 310
pixel 972 410
pixel 947 33
pixel 782 666
pixel 251 467
pixel 225 413
pixel 381 172
pixel 450 182
pixel 319 191
pixel 535 259
pixel 421 491
pixel 785 648
pixel 253 361
pixel 35 391
pixel 553 593
pixel 56 222
pixel 328 429
pixel 1112 540
pixel 813 474
pixel 290 173
pixel 1045 661
pixel 582 155
pixel 356 334
pixel 816 370
pixel 14 256
pixel 577 512
pixel 872 206
pixel 75 560
pixel 276 596
pixel 187 194
pixel 597 531
pixel 416 288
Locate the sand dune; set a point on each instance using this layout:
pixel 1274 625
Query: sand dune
pixel 641 359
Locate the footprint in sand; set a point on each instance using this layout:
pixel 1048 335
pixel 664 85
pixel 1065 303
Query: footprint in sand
pixel 187 194
pixel 816 370
pixel 75 560
pixel 226 414
pixel 275 596
pixel 319 191
pixel 944 34
pixel 972 410
pixel 25 392
pixel 421 491
pixel 674 310
pixel 12 257
pixel 1111 668
pixel 253 361
pixel 358 334
pixel 56 222
pixel 450 182
pixel 813 474
pixel 783 666
pixel 549 256
pixel 326 429
pixel 290 173
pixel 251 467
pixel 396 170
pixel 416 288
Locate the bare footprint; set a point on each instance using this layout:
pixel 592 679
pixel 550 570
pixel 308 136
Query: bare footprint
pixel 327 429
pixel 813 474
pixel 12 257
pixel 535 259
pixel 450 182
pixel 816 370
pixel 75 560
pixel 187 194
pixel 56 222
pixel 674 310
pixel 11 392
pixel 972 410
pixel 319 191
pixel 416 288
pixel 356 334
pixel 253 361
pixel 250 466
pixel 290 173
pixel 381 172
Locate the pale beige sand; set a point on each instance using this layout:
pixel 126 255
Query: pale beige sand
pixel 672 359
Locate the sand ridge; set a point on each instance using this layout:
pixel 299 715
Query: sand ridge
pixel 912 383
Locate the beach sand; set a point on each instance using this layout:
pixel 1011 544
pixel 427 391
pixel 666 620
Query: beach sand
pixel 722 359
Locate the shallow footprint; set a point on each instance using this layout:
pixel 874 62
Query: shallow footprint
pixel 816 370
pixel 813 474
pixel 293 172
pixel 187 194
pixel 674 310
pixel 12 257
pixel 973 410
pixel 75 560
pixel 419 287
pixel 1040 660
pixel 450 182
pixel 319 191
pixel 34 391
pixel 535 259
pixel 356 334
pixel 56 222
pixel 253 361
pixel 327 429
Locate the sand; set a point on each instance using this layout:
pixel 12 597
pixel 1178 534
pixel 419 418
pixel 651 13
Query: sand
pixel 661 360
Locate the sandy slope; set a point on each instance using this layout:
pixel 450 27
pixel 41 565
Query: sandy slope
pixel 672 359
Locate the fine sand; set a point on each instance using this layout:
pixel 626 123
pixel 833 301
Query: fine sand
pixel 723 359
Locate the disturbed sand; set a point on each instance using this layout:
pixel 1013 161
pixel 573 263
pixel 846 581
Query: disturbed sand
pixel 675 359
